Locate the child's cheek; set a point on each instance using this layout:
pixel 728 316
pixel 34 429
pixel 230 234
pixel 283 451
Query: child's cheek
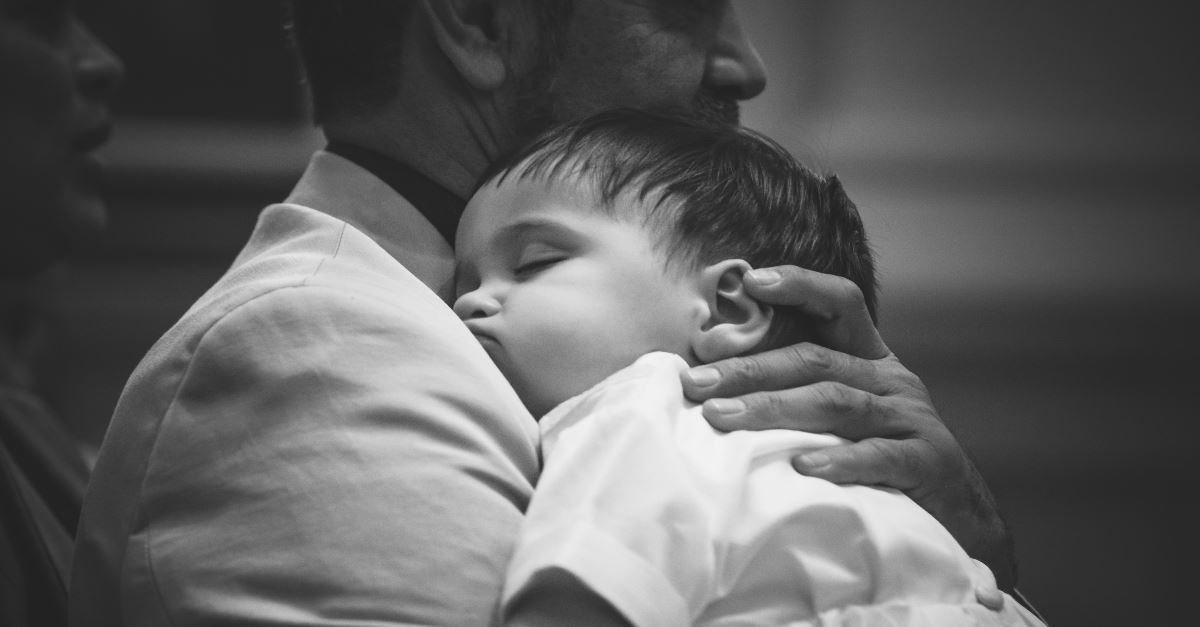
pixel 567 354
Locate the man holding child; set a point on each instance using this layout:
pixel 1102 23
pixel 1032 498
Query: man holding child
pixel 320 441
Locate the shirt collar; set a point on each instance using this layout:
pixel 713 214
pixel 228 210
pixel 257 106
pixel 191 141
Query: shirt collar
pixel 441 207
pixel 342 189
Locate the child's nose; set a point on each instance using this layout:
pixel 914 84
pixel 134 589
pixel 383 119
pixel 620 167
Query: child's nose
pixel 475 304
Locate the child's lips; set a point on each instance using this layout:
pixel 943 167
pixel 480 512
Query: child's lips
pixel 482 335
pixel 492 347
pixel 488 341
pixel 485 339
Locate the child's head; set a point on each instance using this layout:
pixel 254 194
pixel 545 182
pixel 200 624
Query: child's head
pixel 630 232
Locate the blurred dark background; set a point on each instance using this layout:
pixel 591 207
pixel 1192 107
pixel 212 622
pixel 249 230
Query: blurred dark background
pixel 1029 174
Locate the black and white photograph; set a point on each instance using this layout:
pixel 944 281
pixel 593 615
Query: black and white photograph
pixel 598 312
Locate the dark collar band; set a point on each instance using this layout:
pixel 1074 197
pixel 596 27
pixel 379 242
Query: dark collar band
pixel 439 205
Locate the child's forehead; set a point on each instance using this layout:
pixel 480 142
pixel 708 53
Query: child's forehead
pixel 563 190
pixel 510 199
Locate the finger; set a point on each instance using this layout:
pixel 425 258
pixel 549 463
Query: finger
pixel 835 303
pixel 788 367
pixel 898 464
pixel 825 407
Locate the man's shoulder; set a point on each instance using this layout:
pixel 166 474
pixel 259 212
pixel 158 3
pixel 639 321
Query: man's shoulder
pixel 298 259
pixel 303 279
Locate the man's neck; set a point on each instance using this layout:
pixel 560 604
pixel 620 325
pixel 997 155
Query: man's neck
pixel 446 149
pixel 441 207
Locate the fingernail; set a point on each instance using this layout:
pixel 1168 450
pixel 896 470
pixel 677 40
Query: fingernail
pixel 764 277
pixel 814 461
pixel 704 376
pixel 726 406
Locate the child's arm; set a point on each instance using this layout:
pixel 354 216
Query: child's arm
pixel 616 524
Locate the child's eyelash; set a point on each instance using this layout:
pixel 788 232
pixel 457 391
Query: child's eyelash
pixel 536 265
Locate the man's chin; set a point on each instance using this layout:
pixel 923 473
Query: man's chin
pixel 713 109
pixel 28 254
pixel 81 213
pixel 85 219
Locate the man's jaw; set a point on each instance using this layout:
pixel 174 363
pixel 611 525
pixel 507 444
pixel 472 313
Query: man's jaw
pixel 539 109
pixel 711 107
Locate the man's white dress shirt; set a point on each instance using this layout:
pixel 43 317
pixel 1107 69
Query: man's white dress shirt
pixel 318 441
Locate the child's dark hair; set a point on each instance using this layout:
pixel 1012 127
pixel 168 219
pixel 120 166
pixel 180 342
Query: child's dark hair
pixel 718 192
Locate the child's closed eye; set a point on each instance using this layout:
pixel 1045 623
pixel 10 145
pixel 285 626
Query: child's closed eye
pixel 530 268
pixel 536 258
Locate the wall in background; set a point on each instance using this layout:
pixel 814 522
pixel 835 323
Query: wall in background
pixel 1028 174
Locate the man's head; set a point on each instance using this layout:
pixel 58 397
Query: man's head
pixel 482 76
pixel 686 57
pixel 630 232
pixel 57 80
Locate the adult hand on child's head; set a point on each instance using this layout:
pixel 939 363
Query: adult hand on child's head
pixel 854 387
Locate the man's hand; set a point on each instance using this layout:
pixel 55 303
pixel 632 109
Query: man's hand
pixel 852 385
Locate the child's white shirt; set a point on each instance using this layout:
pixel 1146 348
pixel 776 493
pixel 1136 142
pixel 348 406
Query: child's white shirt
pixel 676 523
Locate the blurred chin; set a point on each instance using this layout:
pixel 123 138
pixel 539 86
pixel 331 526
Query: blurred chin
pixel 86 221
pixel 82 213
pixel 24 253
pixel 73 221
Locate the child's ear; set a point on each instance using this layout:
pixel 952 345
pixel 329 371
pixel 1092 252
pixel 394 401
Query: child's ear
pixel 468 33
pixel 737 323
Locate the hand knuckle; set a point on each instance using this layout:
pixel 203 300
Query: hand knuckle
pixel 898 461
pixel 777 410
pixel 766 409
pixel 907 418
pixel 746 370
pixel 849 292
pixel 899 378
pixel 879 449
pixel 910 461
pixel 810 358
pixel 894 416
pixel 839 399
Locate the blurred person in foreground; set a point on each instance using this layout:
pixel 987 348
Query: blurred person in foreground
pixel 57 79
pixel 319 440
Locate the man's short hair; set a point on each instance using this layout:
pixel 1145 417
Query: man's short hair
pixel 711 192
pixel 350 50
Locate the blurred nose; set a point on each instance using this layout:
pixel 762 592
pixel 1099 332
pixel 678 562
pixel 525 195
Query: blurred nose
pixel 734 67
pixel 476 304
pixel 98 69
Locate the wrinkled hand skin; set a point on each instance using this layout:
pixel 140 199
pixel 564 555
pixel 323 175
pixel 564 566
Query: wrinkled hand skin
pixel 850 384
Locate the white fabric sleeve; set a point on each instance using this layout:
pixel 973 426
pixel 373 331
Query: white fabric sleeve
pixel 616 507
pixel 326 459
pixel 674 523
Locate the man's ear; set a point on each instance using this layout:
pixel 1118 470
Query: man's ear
pixel 468 32
pixel 737 323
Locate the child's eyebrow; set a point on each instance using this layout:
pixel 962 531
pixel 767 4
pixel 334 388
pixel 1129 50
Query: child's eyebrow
pixel 534 225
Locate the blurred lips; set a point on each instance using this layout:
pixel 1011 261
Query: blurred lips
pixel 486 340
